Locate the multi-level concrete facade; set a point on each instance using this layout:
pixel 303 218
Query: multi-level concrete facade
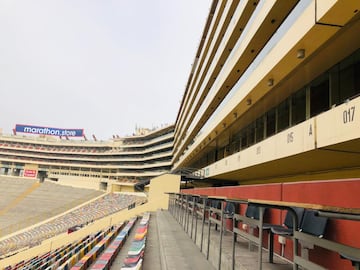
pixel 273 93
pixel 139 157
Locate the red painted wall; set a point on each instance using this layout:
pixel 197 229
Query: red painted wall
pixel 264 191
pixel 342 193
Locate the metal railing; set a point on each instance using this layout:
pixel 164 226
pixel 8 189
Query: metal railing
pixel 190 209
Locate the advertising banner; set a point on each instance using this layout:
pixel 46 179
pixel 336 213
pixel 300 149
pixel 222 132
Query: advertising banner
pixel 30 173
pixel 49 131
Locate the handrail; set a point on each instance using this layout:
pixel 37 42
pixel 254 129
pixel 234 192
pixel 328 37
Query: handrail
pixel 181 204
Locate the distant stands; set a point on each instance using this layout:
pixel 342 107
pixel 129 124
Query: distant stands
pixel 145 156
pixel 99 208
pixel 11 188
pixel 46 201
pixel 95 251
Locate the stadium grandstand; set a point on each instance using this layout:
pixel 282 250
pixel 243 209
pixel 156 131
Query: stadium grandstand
pixel 261 169
pixel 133 159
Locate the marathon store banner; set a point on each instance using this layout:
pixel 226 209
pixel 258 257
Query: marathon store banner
pixel 49 131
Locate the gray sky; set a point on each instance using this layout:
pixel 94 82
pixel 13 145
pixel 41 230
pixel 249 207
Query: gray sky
pixel 105 66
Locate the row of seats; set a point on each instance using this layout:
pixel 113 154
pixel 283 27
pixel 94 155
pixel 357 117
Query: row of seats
pixel 62 257
pixel 308 222
pixel 64 260
pixel 54 149
pixel 107 258
pixel 95 251
pixel 37 261
pixel 91 256
pixel 135 255
pixel 97 209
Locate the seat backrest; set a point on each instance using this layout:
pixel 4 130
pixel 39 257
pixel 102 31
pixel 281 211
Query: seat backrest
pixel 313 224
pixel 252 211
pixel 208 202
pixel 230 208
pixel 288 222
pixel 216 204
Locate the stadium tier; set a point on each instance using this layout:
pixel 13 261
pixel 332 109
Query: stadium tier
pixel 270 111
pixel 136 158
pixel 27 202
pixel 69 221
pixel 273 94
pixel 95 251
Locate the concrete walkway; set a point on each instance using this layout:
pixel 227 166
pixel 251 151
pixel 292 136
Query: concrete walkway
pixel 177 250
pixel 169 247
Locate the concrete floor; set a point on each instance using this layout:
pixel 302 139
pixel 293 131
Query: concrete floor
pixel 170 247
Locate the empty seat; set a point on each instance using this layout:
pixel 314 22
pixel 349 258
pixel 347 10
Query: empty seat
pixel 252 211
pixel 355 261
pixel 288 227
pixel 313 224
pixel 216 204
pixel 229 210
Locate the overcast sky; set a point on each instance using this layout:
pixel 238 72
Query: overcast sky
pixel 106 66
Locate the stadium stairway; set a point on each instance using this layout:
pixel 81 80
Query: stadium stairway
pixel 169 247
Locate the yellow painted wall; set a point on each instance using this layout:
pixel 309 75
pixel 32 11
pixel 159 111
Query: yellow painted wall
pixel 118 187
pixel 79 182
pixel 160 185
pixel 31 170
pixel 115 188
pixel 31 166
pixel 127 188
pixel 295 140
pixel 338 125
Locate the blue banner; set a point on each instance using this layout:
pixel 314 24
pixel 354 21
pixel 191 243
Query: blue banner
pixel 50 131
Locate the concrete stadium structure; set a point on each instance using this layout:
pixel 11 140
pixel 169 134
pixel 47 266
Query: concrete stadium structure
pixel 270 112
pixel 273 90
pixel 270 109
pixel 93 164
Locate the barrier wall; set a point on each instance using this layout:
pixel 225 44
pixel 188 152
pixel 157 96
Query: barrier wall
pixel 161 184
pixel 341 193
pixel 79 182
